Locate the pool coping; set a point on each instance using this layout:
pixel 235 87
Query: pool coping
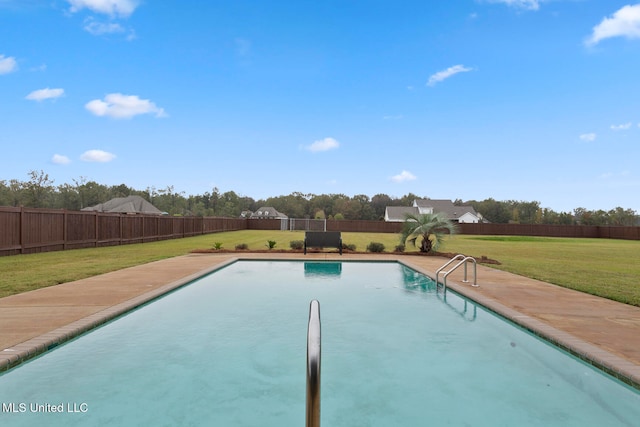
pixel 624 370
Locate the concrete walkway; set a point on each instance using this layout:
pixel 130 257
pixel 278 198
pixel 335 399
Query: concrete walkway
pixel 605 332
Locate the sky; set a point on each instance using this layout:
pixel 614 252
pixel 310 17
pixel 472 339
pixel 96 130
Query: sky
pixel 532 100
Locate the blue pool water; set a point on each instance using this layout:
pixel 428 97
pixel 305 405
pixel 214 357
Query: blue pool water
pixel 229 350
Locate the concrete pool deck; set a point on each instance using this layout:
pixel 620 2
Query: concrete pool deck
pixel 602 331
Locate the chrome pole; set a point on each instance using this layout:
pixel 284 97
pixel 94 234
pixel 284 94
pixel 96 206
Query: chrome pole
pixel 313 366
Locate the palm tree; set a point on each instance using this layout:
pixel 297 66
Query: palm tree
pixel 431 227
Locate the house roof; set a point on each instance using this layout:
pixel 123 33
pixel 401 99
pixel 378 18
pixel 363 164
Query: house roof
pixel 268 212
pixel 445 206
pixel 398 212
pixel 130 204
pixel 452 212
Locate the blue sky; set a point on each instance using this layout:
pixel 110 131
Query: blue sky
pixel 466 99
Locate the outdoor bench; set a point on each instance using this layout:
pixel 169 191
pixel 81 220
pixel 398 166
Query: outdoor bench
pixel 322 239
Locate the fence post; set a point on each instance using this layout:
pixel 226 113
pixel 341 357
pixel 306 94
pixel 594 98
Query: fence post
pixel 22 227
pixel 96 224
pixel 65 227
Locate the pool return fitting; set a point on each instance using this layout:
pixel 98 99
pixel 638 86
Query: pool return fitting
pixel 313 365
pixel 463 261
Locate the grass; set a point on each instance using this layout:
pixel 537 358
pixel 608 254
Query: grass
pixel 603 267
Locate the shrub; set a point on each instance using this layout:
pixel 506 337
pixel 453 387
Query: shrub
pixel 242 247
pixel 400 248
pixel 217 245
pixel 271 244
pixel 349 247
pixel 296 244
pixel 375 247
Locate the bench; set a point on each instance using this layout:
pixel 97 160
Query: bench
pixel 322 239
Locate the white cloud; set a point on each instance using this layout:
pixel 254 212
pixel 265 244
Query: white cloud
pixel 8 64
pixel 98 156
pixel 41 67
pixel 396 117
pixel 589 137
pixel 59 159
pixel 100 28
pixel 611 175
pixel 119 106
pixel 445 74
pixel 403 176
pixel 624 126
pixel 122 8
pixel 623 23
pixel 42 94
pixel 606 175
pixel 323 145
pixel 520 4
pixel 243 47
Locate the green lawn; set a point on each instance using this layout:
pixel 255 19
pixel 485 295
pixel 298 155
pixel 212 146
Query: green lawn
pixel 608 268
pixel 603 267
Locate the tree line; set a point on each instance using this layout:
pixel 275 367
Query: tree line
pixel 39 191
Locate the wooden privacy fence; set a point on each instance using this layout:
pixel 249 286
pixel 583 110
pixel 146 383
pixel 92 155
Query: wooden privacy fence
pixel 587 231
pixel 25 230
pixel 29 230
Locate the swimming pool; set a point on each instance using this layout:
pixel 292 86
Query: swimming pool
pixel 229 350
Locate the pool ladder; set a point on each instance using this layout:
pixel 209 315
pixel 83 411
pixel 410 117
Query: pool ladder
pixel 463 261
pixel 313 365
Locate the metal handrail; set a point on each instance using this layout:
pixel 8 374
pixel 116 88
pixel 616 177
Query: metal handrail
pixel 462 262
pixel 459 256
pixel 313 365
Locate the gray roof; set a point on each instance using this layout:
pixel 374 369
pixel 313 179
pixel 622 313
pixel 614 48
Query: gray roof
pixel 445 206
pixel 398 212
pixel 453 212
pixel 268 212
pixel 131 204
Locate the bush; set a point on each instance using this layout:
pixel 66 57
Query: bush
pixel 349 247
pixel 296 244
pixel 375 247
pixel 217 245
pixel 271 244
pixel 242 247
pixel 400 248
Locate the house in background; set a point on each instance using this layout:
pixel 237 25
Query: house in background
pixel 458 214
pixel 267 212
pixel 129 205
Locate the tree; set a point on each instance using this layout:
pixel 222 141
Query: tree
pixel 11 193
pixel 620 216
pixel 322 202
pixel 379 203
pixel 431 227
pixel 39 188
pixel 492 210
